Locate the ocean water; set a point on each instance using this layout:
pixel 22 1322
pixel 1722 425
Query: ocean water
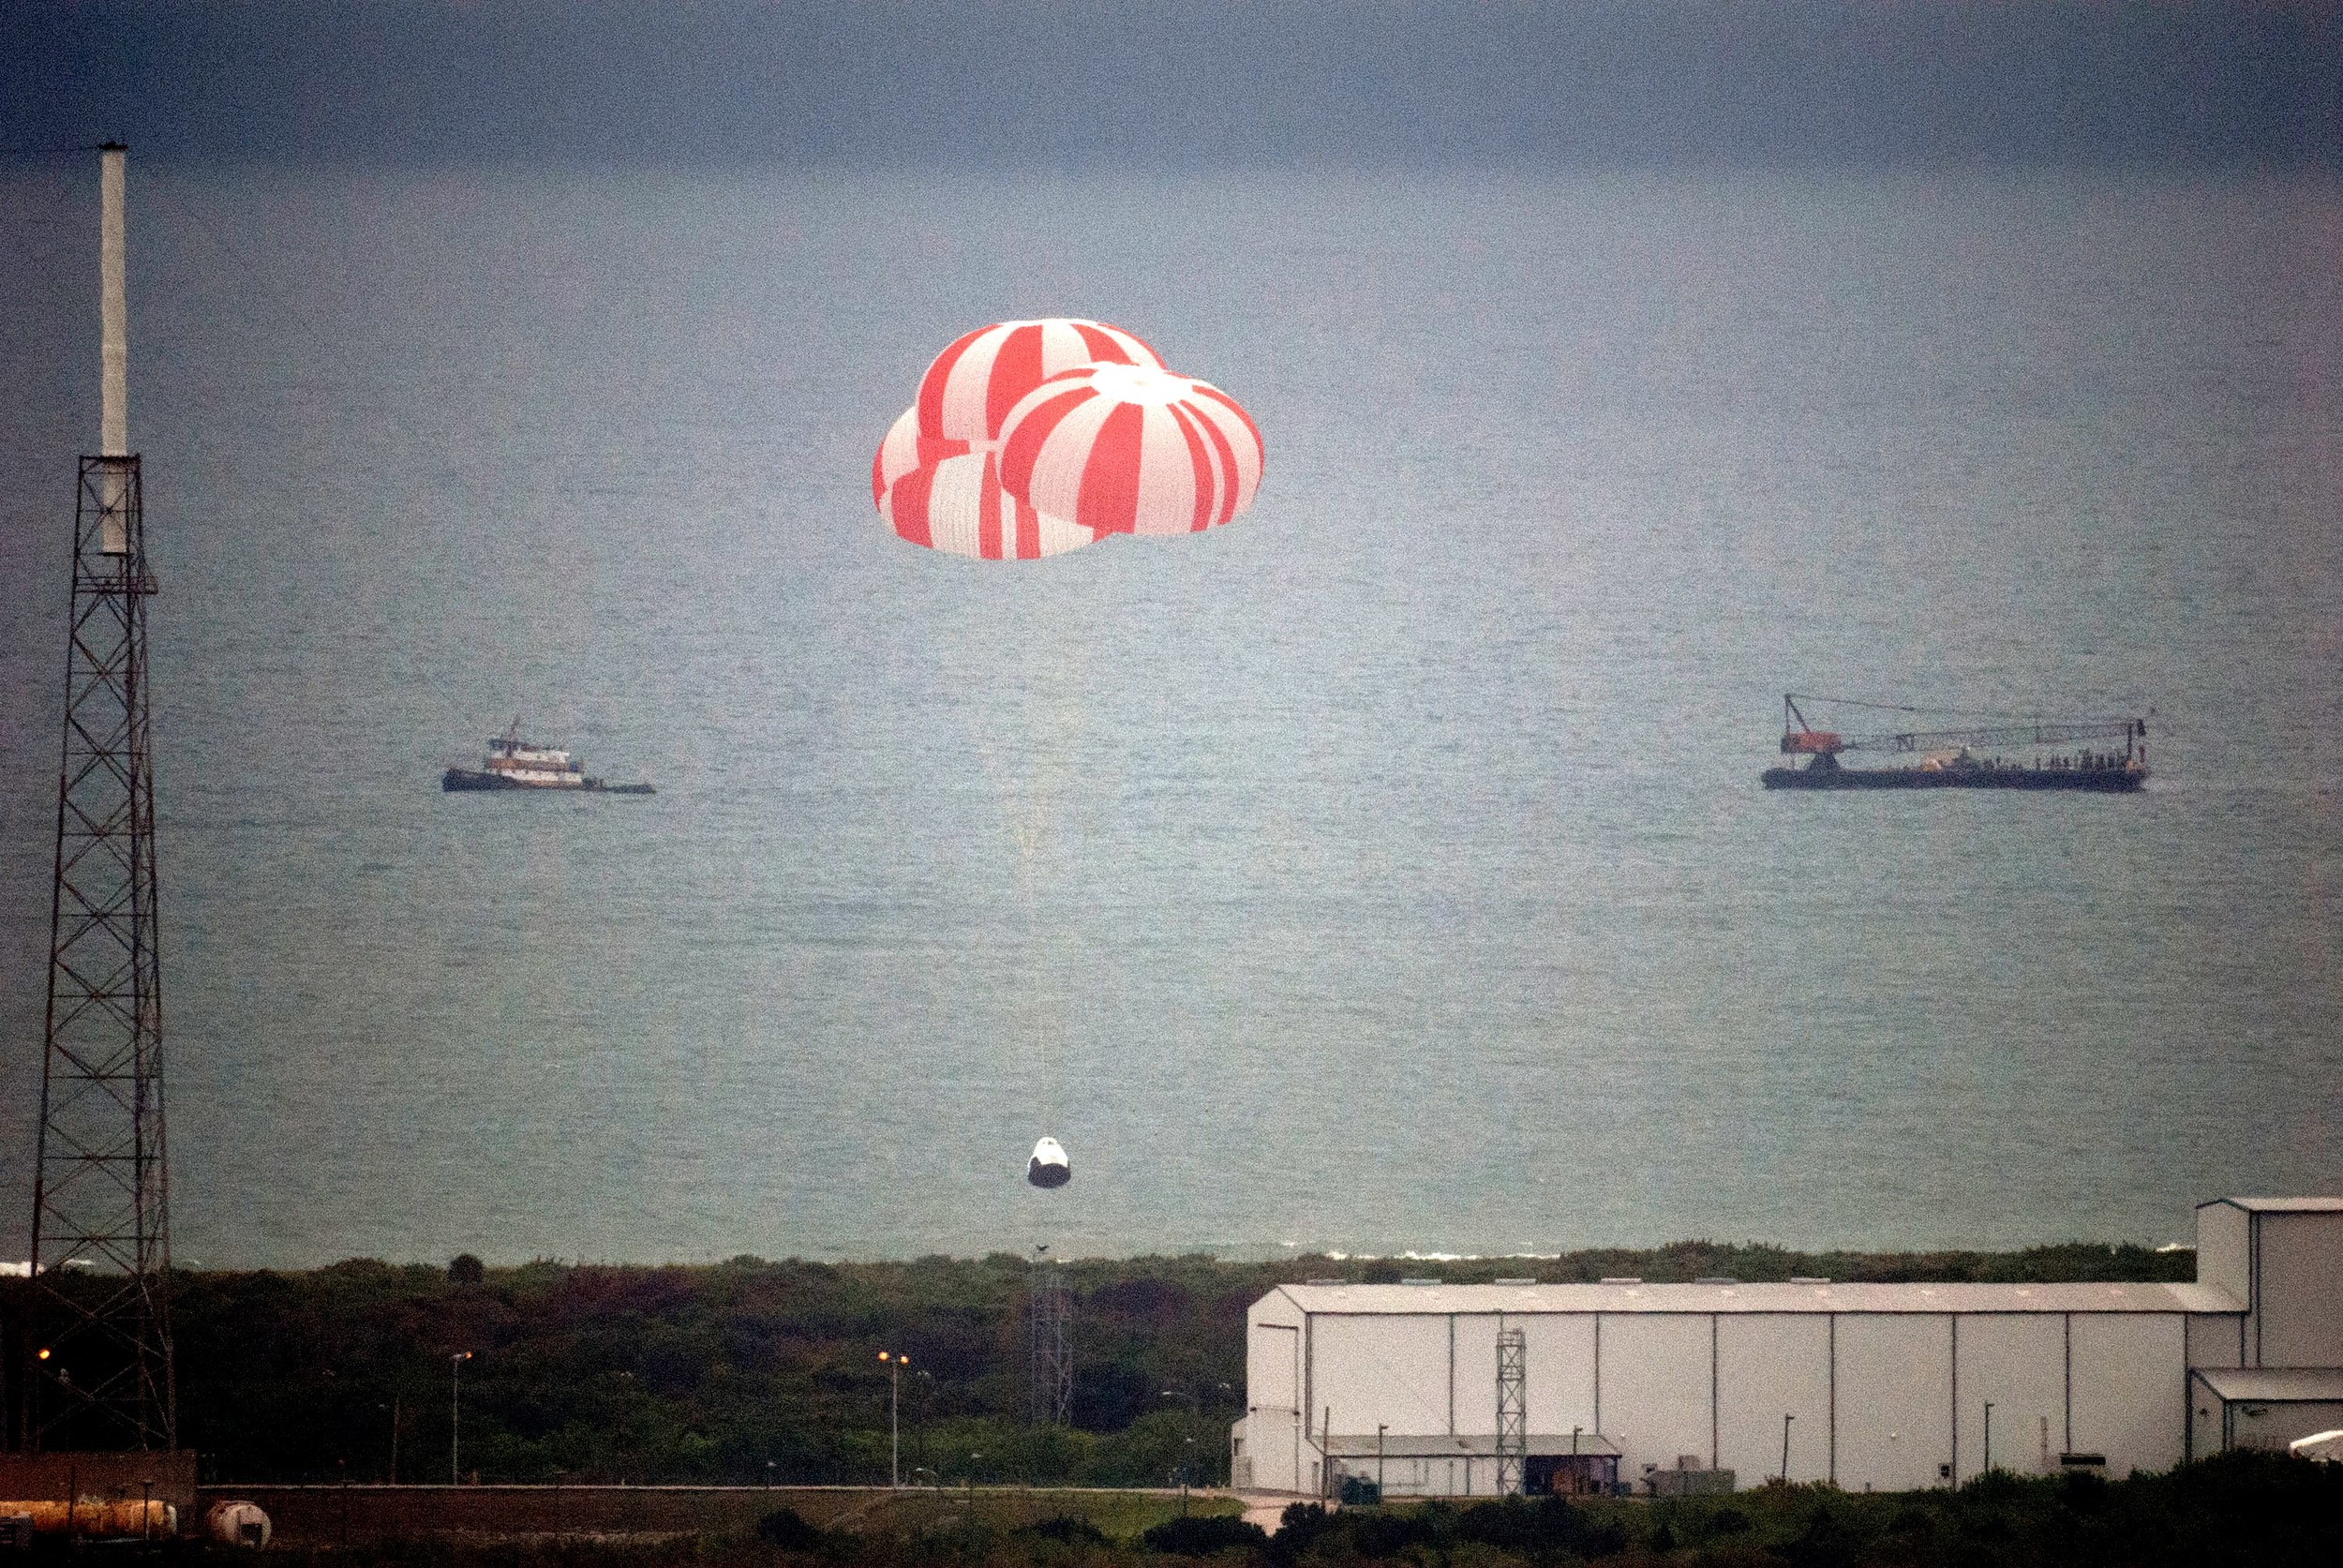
pixel 1387 871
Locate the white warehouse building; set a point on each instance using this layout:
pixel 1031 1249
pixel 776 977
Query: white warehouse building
pixel 1870 1387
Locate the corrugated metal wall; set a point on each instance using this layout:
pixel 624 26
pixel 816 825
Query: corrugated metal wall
pixel 2299 1257
pixel 1881 1399
pixel 1773 1365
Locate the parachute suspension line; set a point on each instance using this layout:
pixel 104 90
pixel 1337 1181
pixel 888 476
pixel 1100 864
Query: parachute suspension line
pixel 1024 790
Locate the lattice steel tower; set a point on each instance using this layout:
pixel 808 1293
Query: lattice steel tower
pixel 1513 1410
pixel 100 1350
pixel 1053 1347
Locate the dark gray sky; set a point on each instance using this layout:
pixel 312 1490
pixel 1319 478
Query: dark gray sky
pixel 1182 81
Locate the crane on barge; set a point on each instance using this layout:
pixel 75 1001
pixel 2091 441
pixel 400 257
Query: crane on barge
pixel 2104 756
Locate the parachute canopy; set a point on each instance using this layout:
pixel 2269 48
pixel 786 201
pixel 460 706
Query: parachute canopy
pixel 973 383
pixel 957 505
pixel 904 449
pixel 1126 449
pixel 1030 438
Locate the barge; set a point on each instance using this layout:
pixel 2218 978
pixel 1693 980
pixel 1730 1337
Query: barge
pixel 2105 756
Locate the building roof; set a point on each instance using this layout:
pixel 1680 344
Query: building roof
pixel 2280 1205
pixel 2275 1385
pixel 1532 1300
pixel 1461 1445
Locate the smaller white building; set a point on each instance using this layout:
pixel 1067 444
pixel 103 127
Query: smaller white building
pixel 1870 1387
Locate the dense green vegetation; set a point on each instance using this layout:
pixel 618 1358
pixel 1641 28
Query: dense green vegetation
pixel 749 1370
pixel 2262 1509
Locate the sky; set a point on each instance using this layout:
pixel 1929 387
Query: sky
pixel 1184 82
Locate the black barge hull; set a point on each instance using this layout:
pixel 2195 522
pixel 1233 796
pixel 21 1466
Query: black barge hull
pixel 2098 780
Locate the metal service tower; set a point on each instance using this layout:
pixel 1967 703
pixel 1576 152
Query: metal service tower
pixel 98 1352
pixel 1052 1331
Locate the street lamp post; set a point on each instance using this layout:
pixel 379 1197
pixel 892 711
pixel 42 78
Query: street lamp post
pixel 456 1415
pixel 1381 1428
pixel 1786 1419
pixel 895 1365
pixel 1989 1436
pixel 924 1382
pixel 1196 1407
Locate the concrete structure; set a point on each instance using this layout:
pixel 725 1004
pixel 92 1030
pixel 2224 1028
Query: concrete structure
pixel 158 1475
pixel 1870 1387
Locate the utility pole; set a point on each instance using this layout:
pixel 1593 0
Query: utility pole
pixel 455 1414
pixel 1326 1455
pixel 895 1365
pixel 1786 1419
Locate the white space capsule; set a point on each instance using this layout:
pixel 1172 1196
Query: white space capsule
pixel 1049 1166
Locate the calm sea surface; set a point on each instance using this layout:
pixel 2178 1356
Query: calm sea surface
pixel 1386 871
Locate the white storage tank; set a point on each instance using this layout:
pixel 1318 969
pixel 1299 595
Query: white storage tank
pixel 234 1523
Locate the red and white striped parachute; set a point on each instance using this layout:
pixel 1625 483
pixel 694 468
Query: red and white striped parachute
pixel 972 384
pixel 1131 449
pixel 955 504
pixel 903 450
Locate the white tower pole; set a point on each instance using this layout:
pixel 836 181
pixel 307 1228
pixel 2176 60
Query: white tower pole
pixel 113 313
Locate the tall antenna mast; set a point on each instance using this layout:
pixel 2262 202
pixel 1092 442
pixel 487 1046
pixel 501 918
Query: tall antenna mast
pixel 99 1354
pixel 1051 1327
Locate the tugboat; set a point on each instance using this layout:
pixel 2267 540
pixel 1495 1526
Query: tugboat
pixel 2109 756
pixel 514 763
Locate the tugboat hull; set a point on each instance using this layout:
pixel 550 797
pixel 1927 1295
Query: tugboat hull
pixel 471 778
pixel 457 778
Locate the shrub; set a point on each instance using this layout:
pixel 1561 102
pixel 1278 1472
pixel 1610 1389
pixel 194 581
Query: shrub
pixel 1298 1528
pixel 1825 1543
pixel 1375 1533
pixel 2084 1491
pixel 1549 1524
pixel 1202 1534
pixel 789 1529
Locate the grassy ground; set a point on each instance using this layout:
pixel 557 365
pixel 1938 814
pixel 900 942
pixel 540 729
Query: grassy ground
pixel 2260 1509
pixel 1121 1517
